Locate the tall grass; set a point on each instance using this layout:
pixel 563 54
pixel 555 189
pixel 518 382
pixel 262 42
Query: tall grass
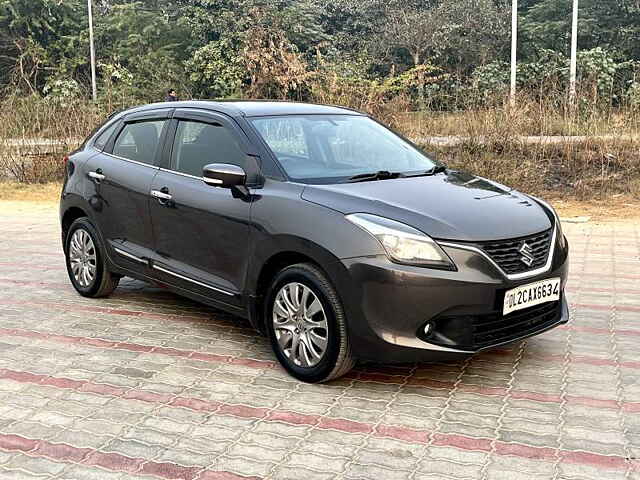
pixel 529 116
pixel 495 142
pixel 490 143
pixel 593 169
pixel 36 134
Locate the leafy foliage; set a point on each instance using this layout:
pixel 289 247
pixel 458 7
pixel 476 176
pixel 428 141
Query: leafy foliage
pixel 216 70
pixel 418 53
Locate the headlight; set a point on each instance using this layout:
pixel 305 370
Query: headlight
pixel 402 243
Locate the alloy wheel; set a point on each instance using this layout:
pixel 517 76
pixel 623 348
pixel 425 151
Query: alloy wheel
pixel 82 258
pixel 300 325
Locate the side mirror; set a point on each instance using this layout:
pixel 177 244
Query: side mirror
pixel 224 175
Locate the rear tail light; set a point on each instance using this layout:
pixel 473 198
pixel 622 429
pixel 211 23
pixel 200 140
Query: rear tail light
pixel 65 160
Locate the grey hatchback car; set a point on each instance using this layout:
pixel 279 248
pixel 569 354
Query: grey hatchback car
pixel 335 237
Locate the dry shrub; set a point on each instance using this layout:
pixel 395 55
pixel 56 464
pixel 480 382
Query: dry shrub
pixel 495 142
pixel 491 145
pixel 36 134
pixel 35 117
pixel 363 95
pixel 275 68
pixel 25 165
pixel 530 116
pixel 591 169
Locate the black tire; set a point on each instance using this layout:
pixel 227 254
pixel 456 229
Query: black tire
pixel 104 282
pixel 337 359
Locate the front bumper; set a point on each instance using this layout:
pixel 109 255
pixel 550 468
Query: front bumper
pixel 392 303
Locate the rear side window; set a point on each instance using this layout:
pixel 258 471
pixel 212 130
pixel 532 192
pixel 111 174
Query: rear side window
pixel 139 141
pixel 198 144
pixel 104 137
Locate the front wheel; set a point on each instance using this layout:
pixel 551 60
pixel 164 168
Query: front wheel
pixel 306 324
pixel 86 261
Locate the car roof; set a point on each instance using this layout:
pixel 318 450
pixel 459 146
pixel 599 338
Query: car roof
pixel 252 108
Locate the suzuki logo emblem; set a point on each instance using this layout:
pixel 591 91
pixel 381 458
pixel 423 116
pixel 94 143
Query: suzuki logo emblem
pixel 527 254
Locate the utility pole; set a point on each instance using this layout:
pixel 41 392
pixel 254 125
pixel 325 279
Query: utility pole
pixel 574 54
pixel 514 50
pixel 94 89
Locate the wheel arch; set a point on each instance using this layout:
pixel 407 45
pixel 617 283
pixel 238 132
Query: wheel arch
pixel 292 250
pixel 70 215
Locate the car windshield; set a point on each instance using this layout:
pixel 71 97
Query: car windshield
pixel 335 148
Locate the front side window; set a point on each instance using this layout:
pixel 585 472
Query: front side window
pixel 139 141
pixel 333 148
pixel 285 136
pixel 198 144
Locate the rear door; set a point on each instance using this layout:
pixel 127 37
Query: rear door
pixel 121 177
pixel 202 232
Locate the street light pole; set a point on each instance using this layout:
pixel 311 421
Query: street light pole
pixel 94 89
pixel 574 54
pixel 514 49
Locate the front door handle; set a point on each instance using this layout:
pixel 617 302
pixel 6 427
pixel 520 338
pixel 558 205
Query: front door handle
pixel 97 175
pixel 162 196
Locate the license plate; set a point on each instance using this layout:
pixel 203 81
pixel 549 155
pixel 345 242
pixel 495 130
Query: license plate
pixel 531 295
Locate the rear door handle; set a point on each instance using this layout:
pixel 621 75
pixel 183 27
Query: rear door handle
pixel 97 175
pixel 160 195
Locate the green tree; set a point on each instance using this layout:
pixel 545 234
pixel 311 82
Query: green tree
pixel 38 39
pixel 216 70
pixel 612 24
pixel 152 44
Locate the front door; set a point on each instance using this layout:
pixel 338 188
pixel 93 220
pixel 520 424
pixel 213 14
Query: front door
pixel 201 232
pixel 121 178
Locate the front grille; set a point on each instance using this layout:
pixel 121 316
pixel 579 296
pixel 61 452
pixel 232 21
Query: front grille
pixel 496 328
pixel 507 254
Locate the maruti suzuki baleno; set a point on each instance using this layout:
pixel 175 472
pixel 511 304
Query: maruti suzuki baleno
pixel 337 238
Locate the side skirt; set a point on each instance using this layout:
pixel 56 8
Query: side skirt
pixel 232 309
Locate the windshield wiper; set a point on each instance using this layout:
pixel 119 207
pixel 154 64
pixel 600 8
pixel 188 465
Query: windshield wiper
pixel 385 174
pixel 432 171
pixel 379 175
pixel 437 169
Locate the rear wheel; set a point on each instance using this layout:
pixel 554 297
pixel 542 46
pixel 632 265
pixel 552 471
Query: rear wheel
pixel 86 261
pixel 306 324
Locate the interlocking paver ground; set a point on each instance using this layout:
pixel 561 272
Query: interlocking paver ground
pixel 146 384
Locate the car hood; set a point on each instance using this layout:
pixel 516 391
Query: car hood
pixel 451 206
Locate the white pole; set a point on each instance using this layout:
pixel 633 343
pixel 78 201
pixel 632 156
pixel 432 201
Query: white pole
pixel 514 49
pixel 574 54
pixel 94 89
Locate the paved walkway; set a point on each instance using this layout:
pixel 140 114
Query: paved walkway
pixel 148 385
